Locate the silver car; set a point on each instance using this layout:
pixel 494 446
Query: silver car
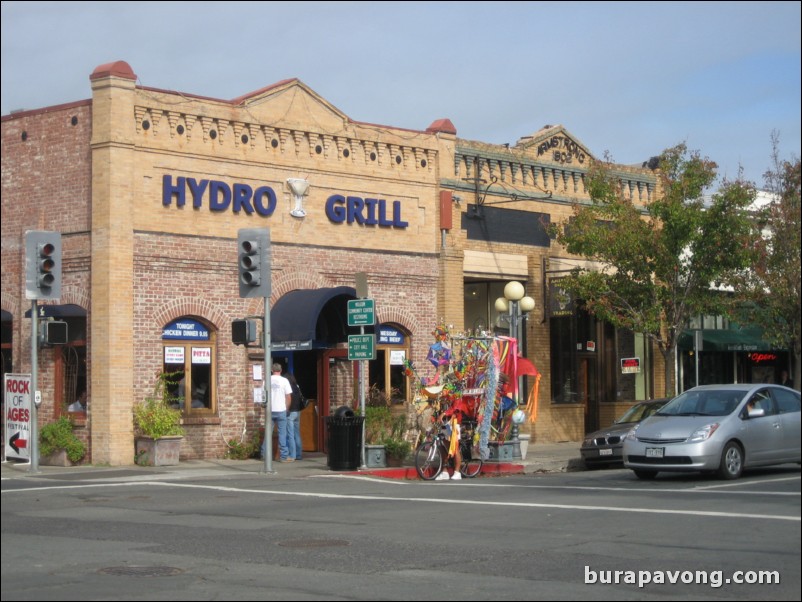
pixel 721 428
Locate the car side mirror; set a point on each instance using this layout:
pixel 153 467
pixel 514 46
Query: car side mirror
pixel 756 412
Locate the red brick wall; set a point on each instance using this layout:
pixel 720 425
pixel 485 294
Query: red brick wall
pixel 46 180
pixel 186 276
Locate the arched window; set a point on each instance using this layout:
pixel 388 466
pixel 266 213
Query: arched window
pixel 388 372
pixel 189 348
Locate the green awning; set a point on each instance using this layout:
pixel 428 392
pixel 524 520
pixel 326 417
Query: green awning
pixel 744 339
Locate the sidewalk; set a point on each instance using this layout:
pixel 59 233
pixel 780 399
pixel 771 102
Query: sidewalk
pixel 540 458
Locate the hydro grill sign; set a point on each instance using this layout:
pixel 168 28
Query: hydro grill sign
pixel 220 196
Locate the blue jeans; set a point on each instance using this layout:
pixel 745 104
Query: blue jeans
pixel 279 423
pixel 294 434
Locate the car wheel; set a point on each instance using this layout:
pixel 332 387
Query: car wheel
pixel 732 461
pixel 645 475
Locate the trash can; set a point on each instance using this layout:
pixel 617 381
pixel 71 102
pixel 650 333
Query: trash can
pixel 345 439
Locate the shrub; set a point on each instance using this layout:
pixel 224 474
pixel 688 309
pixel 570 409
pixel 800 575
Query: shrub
pixel 153 417
pixel 59 435
pixel 397 448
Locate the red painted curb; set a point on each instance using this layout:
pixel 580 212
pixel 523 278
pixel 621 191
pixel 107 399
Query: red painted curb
pixel 409 472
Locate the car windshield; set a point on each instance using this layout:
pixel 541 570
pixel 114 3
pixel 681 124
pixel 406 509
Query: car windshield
pixel 704 402
pixel 638 412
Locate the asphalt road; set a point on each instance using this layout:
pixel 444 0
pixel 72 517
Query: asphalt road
pixel 564 536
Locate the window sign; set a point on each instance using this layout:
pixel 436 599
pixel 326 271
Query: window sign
pixel 185 329
pixel 201 355
pixel 397 357
pixel 390 336
pixel 174 355
pixel 630 365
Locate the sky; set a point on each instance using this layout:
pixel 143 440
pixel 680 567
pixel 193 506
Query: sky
pixel 626 79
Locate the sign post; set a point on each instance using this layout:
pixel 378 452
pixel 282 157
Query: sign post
pixel 362 312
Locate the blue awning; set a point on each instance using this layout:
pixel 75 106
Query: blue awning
pixel 310 318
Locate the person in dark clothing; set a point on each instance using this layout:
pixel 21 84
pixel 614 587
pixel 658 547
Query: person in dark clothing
pixel 294 419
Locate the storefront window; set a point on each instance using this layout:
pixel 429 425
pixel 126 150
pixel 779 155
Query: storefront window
pixel 563 360
pixel 70 369
pixel 480 312
pixel 189 356
pixel 387 372
pixel 5 343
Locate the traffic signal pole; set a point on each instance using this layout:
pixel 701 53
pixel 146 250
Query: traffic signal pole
pixel 253 250
pixel 268 375
pixel 42 281
pixel 34 434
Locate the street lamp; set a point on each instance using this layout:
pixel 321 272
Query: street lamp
pixel 516 306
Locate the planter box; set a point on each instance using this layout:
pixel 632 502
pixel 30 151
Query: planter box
pixel 158 452
pixel 57 458
pixel 375 456
pixel 500 452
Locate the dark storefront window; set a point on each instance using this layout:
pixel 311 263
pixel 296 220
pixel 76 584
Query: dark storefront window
pixel 563 360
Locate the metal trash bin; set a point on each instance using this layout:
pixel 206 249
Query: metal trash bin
pixel 345 439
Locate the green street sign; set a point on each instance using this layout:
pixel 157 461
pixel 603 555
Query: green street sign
pixel 361 312
pixel 361 347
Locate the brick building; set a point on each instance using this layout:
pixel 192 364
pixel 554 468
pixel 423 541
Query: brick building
pixel 149 189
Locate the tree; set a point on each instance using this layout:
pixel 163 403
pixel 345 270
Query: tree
pixel 772 286
pixel 661 262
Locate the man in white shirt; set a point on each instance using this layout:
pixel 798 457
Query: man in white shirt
pixel 280 399
pixel 79 405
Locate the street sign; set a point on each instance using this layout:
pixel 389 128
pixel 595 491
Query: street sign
pixel 18 415
pixel 361 312
pixel 361 347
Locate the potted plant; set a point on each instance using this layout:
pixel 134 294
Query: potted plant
pixel 396 446
pixel 377 427
pixel 397 450
pixel 58 444
pixel 157 425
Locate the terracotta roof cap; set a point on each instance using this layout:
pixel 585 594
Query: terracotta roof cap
pixel 442 125
pixel 114 69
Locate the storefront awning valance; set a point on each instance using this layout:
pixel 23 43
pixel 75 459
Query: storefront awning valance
pixel 308 319
pixel 59 311
pixel 745 339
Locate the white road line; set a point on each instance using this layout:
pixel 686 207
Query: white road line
pixel 376 498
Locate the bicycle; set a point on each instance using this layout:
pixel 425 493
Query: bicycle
pixel 431 456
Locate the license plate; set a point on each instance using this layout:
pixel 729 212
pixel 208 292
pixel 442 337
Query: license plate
pixel 654 452
pixel 605 452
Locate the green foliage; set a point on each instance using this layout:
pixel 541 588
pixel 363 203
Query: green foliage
pixel 242 450
pixel 397 448
pixel 376 397
pixel 59 435
pixel 378 424
pixel 153 417
pixel 771 288
pixel 660 263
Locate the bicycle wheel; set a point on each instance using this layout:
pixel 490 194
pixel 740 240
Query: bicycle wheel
pixel 471 468
pixel 428 460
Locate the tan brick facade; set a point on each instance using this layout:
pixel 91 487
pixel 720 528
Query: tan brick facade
pixel 137 257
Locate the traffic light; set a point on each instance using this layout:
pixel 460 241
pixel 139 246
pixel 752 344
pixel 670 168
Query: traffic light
pixel 54 332
pixel 42 265
pixel 253 246
pixel 243 332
